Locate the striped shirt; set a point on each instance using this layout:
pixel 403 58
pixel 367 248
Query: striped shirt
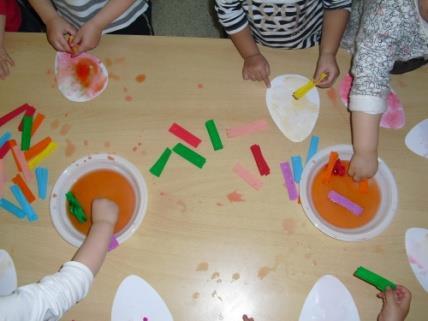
pixel 78 12
pixel 278 23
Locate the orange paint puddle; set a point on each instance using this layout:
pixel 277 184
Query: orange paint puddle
pixel 104 184
pixel 344 185
pixel 235 197
pixel 140 78
pixel 85 70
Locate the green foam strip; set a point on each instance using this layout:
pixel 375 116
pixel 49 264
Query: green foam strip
pixel 189 155
pixel 160 164
pixel 75 208
pixel 374 279
pixel 27 124
pixel 214 135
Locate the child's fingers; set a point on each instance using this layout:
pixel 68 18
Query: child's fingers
pixel 267 81
pixel 3 72
pixel 10 60
pixel 389 296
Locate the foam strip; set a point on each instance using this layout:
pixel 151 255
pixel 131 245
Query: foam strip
pixel 42 181
pixel 247 176
pixel 5 138
pixel 341 200
pixel 14 113
pixel 246 129
pixel 214 135
pixel 160 164
pixel 184 135
pixel 12 208
pixel 45 153
pixel 313 147
pixel 289 181
pixel 19 196
pixel 21 163
pixel 262 165
pixel 189 155
pixel 3 177
pixel 296 162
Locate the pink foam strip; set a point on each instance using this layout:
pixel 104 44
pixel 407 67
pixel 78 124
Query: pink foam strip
pixel 246 175
pixel 341 200
pixel 289 181
pixel 3 177
pixel 20 157
pixel 246 129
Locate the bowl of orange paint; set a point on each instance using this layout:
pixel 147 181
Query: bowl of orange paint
pixel 378 203
pixel 99 176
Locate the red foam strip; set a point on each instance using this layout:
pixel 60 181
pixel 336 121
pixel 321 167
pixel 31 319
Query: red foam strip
pixel 14 113
pixel 184 135
pixel 262 165
pixel 4 149
pixel 30 112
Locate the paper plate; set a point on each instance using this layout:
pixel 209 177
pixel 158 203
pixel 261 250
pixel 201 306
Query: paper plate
pixel 417 253
pixel 329 300
pixel 135 300
pixel 295 118
pixel 387 208
pixel 417 139
pixel 78 169
pixel 68 82
pixel 8 280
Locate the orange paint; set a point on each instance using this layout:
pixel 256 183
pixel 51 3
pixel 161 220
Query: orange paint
pixel 104 184
pixel 329 170
pixel 129 98
pixel 235 197
pixel 36 149
pixel 85 69
pixel 140 78
pixel 70 148
pixel 12 143
pixel 331 93
pixel 344 185
pixel 38 120
pixel 363 186
pixel 18 180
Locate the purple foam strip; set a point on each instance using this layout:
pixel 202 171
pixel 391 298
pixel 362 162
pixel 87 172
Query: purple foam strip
pixel 113 244
pixel 346 203
pixel 289 181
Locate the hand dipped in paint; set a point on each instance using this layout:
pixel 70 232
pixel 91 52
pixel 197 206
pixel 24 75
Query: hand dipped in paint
pixel 87 37
pixel 104 211
pixel 363 165
pixel 396 304
pixel 57 31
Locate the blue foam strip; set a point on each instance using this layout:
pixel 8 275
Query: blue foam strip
pixel 12 208
pixel 313 147
pixel 28 209
pixel 296 162
pixel 42 181
pixel 6 137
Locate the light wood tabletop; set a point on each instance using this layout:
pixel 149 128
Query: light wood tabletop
pixel 209 258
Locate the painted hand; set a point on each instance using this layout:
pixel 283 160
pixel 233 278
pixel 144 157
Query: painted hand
pixel 257 68
pixel 363 165
pixel 327 63
pixel 5 63
pixel 87 38
pixel 396 304
pixel 57 32
pixel 104 211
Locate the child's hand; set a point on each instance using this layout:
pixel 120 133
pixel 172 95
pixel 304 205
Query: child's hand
pixel 327 64
pixel 363 165
pixel 5 62
pixel 87 38
pixel 396 304
pixel 57 30
pixel 104 210
pixel 256 67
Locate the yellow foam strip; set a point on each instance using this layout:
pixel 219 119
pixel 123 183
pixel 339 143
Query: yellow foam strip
pixel 302 91
pixel 46 152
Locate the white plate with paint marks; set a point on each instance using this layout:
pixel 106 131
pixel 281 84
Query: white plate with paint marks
pixel 295 118
pixel 417 254
pixel 136 300
pixel 80 78
pixel 8 279
pixel 329 300
pixel 417 139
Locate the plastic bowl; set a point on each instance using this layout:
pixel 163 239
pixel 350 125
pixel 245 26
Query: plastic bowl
pixel 384 215
pixel 78 169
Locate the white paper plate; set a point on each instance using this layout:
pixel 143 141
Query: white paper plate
pixel 329 300
pixel 417 253
pixel 78 169
pixel 295 118
pixel 8 280
pixel 387 208
pixel 417 139
pixel 135 300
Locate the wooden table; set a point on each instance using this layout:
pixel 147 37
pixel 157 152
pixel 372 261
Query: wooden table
pixel 260 256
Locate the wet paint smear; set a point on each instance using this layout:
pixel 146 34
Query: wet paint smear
pixel 265 270
pixel 235 276
pixel 70 148
pixel 107 144
pixel 196 295
pixel 235 197
pixel 85 142
pixel 140 78
pixel 332 95
pixel 129 98
pixel 55 124
pixel 289 226
pixel 215 275
pixel 203 266
pixel 200 86
pixel 65 129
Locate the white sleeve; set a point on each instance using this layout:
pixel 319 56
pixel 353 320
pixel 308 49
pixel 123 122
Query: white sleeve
pixel 50 298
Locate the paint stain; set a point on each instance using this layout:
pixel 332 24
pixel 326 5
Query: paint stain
pixel 140 78
pixel 215 295
pixel 54 195
pixel 106 144
pixel 308 255
pixel 108 62
pixel 182 206
pixel 200 86
pixel 65 129
pixel 219 281
pixel 70 148
pixel 378 249
pixel 125 90
pixel 55 124
pixel 195 295
pixel 203 266
pixel 215 275
pixel 134 149
pixel 235 197
pixel 332 95
pixel 49 71
pixel 289 225
pixel 401 83
pixel 113 76
pixel 66 115
pixel 235 276
pixel 265 270
pixel 219 204
pixel 129 98
pixel 85 142
pixel 139 144
pixel 109 157
pixel 314 262
pixel 119 60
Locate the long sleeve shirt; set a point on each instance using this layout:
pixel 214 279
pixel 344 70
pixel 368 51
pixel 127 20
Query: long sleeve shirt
pixel 278 23
pixel 11 10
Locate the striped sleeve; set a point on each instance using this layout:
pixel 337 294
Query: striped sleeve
pixel 337 4
pixel 231 15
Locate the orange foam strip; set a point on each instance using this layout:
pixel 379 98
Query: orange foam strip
pixel 334 156
pixel 37 148
pixel 21 162
pixel 363 186
pixel 38 120
pixel 24 188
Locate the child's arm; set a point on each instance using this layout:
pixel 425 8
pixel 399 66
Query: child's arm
pixel 396 304
pixel 334 25
pixel 56 26
pixel 5 59
pixel 89 34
